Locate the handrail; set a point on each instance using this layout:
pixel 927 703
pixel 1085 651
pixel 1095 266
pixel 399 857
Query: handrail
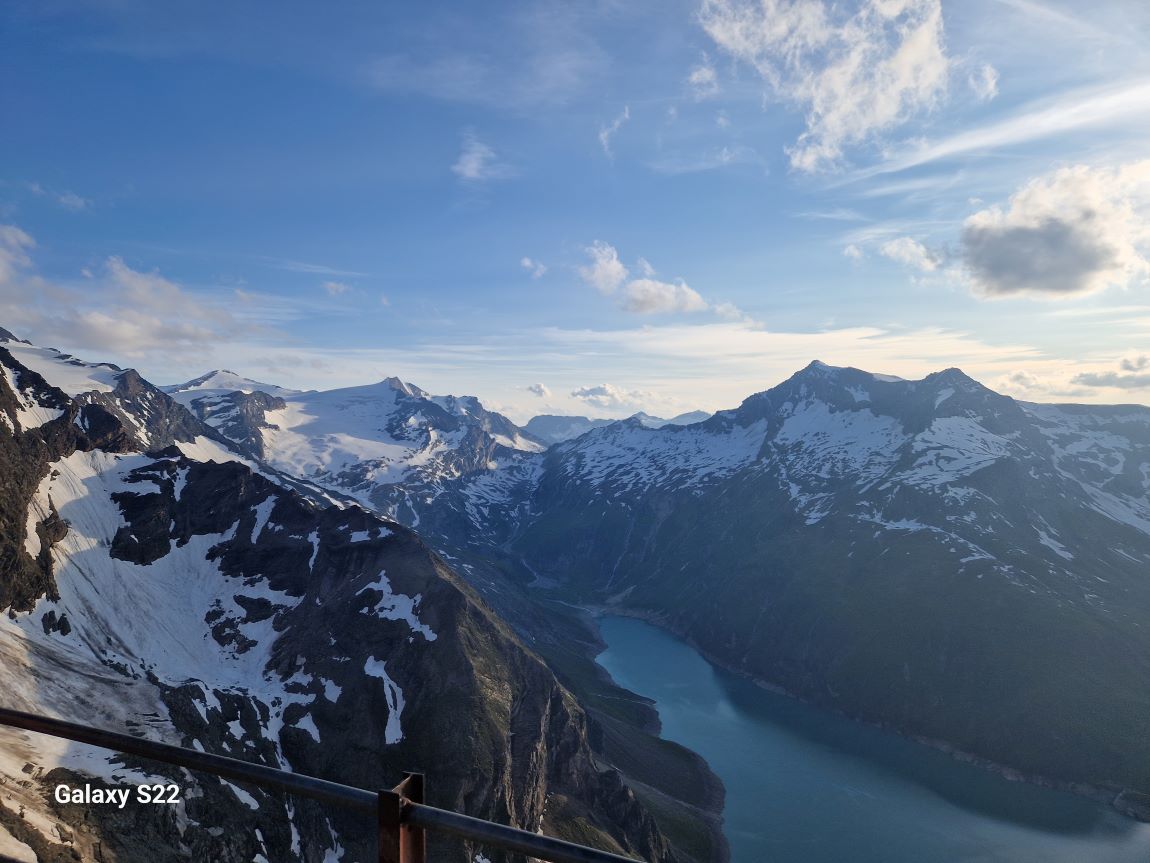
pixel 402 814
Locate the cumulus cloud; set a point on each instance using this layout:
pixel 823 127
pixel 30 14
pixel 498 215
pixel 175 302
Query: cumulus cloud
pixel 1114 380
pixel 983 81
pixel 335 289
pixel 911 252
pixel 124 312
pixel 478 163
pixel 1072 232
pixel 645 295
pixel 606 133
pixel 853 252
pixel 1133 374
pixel 611 397
pixel 855 73
pixel 606 272
pixel 651 296
pixel 540 390
pixel 703 81
pixel 535 268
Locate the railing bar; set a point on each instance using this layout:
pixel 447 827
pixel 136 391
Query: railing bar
pixel 220 765
pixel 511 838
pixel 414 814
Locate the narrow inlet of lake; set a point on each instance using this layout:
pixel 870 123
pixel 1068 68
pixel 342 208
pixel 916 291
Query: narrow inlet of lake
pixel 806 786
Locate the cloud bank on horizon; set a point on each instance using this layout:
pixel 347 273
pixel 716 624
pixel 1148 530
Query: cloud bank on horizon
pixel 567 206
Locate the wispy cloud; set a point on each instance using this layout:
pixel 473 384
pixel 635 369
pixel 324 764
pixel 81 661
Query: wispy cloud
pixel 703 81
pixel 516 58
pixel 709 160
pixel 537 269
pixel 606 133
pixel 311 269
pixel 68 200
pixel 478 163
pixel 1091 108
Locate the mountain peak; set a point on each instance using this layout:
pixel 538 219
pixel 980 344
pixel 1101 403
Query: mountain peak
pixel 401 386
pixel 225 380
pixel 6 336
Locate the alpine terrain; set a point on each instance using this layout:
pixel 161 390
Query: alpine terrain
pixel 925 555
pixel 162 578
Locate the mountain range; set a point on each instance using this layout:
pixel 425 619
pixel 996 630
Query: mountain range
pixel 926 555
pixel 159 579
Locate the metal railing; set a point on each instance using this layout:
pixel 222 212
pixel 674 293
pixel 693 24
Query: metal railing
pixel 401 815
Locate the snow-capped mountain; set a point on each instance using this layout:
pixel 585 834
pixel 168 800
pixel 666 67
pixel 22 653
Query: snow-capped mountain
pixel 553 429
pixel 380 444
pixel 157 579
pixel 929 555
pixel 221 382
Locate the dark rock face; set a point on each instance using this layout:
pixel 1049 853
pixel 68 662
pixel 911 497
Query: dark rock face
pixel 239 416
pixel 366 654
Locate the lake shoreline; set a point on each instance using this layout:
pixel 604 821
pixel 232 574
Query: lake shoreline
pixel 710 809
pixel 1113 798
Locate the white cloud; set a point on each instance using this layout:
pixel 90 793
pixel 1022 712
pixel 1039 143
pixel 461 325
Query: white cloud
pixel 983 81
pixel 478 163
pixel 606 272
pixel 703 81
pixel 610 397
pixel 335 289
pixel 855 75
pixel 645 295
pixel 1075 231
pixel 853 252
pixel 536 268
pixel 650 296
pixel 539 390
pixel 606 133
pixel 911 252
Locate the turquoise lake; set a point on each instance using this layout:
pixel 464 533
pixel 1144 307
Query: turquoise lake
pixel 806 785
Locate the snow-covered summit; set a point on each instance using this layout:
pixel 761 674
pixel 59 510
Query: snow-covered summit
pixel 219 382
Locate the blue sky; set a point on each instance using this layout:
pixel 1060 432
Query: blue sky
pixel 583 207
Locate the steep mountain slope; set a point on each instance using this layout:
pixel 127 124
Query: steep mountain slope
pixel 928 555
pixel 157 580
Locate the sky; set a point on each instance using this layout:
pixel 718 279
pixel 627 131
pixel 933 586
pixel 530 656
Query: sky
pixel 590 207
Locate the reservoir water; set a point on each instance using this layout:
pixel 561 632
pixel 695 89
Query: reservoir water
pixel 806 786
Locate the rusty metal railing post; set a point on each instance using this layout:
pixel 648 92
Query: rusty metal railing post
pixel 400 842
